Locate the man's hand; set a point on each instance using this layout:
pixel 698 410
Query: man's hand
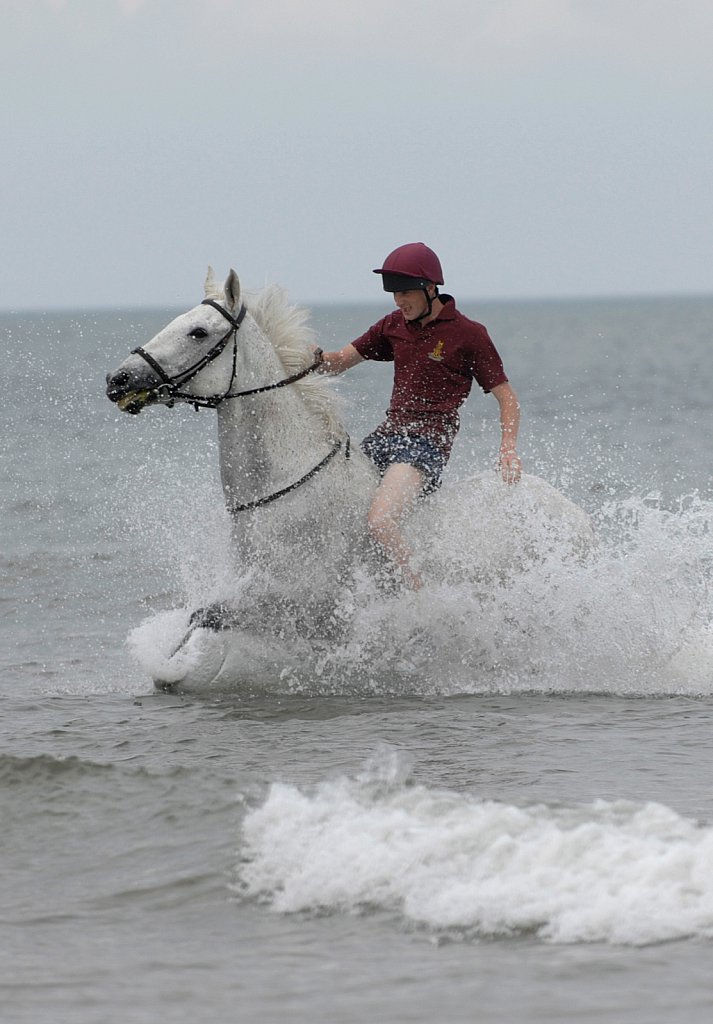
pixel 510 466
pixel 338 362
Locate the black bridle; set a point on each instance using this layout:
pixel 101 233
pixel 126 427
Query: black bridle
pixel 171 387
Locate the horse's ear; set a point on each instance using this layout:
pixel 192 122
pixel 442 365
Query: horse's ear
pixel 211 286
pixel 232 291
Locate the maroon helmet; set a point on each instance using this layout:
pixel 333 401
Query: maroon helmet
pixel 409 266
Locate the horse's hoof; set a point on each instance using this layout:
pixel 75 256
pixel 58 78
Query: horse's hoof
pixel 215 617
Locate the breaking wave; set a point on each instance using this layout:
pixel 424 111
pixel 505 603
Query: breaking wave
pixel 462 868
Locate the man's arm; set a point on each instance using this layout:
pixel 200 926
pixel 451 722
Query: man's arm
pixel 510 465
pixel 338 362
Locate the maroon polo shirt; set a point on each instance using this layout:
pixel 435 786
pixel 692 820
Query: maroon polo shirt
pixel 434 368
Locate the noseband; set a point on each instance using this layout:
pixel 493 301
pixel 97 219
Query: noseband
pixel 171 386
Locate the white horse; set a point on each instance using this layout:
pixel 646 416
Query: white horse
pixel 297 492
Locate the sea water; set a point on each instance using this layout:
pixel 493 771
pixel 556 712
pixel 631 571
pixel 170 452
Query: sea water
pixel 497 810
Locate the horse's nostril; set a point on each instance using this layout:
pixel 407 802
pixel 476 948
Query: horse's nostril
pixel 117 384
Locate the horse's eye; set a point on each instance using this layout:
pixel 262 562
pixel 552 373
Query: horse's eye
pixel 198 332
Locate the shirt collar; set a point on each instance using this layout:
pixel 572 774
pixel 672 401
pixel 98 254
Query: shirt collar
pixel 449 308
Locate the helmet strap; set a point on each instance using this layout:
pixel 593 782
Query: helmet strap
pixel 429 304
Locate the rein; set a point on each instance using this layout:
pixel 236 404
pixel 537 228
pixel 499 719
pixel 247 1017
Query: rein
pixel 259 502
pixel 171 386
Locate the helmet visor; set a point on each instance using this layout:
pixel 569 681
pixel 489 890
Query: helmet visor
pixel 402 282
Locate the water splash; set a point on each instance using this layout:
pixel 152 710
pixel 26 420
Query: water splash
pixel 519 597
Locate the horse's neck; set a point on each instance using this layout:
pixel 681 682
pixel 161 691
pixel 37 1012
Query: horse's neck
pixel 266 441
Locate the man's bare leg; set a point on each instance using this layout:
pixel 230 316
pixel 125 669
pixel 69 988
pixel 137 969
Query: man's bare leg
pixel 399 488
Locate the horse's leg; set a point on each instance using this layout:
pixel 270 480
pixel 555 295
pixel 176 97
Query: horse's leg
pixel 395 496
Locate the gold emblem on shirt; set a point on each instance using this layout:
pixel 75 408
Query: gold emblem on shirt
pixel 437 354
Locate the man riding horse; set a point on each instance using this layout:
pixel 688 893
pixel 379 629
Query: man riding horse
pixel 437 352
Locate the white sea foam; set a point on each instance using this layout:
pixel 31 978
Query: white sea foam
pixel 616 872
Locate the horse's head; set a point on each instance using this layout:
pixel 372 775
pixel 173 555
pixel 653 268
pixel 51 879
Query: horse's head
pixel 192 358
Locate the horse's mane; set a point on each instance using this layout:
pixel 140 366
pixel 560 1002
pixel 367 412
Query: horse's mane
pixel 287 328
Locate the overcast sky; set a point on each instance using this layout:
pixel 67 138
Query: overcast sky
pixel 543 147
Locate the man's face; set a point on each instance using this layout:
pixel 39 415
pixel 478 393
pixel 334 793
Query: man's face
pixel 412 303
